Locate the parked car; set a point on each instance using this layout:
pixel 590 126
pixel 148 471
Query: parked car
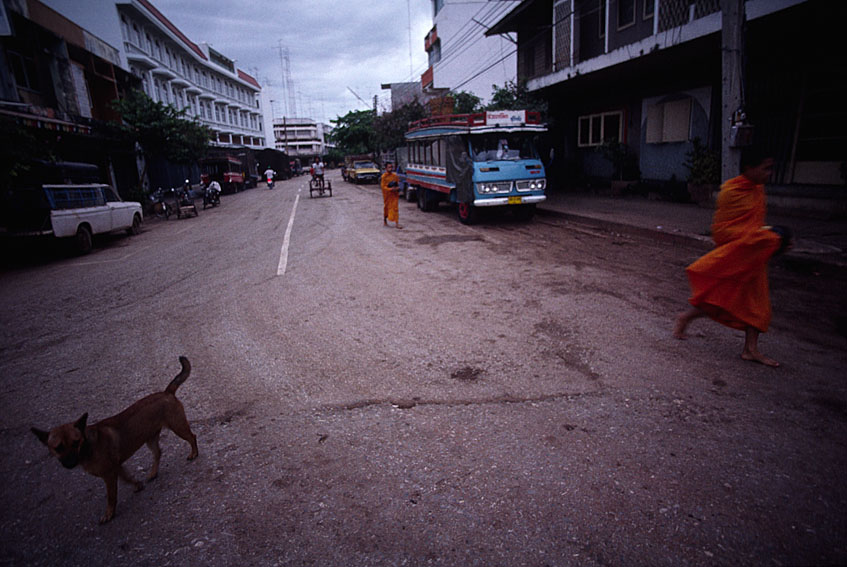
pixel 360 170
pixel 73 211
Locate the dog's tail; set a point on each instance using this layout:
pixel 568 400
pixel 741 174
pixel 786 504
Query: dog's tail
pixel 181 377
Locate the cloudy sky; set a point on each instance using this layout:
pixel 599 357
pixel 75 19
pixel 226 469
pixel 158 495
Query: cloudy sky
pixel 334 46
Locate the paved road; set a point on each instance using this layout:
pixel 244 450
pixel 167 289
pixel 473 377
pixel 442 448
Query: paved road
pixel 501 394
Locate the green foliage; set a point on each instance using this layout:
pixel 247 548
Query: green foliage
pixel 354 132
pixel 516 96
pixel 160 129
pixel 466 103
pixel 390 128
pixel 20 148
pixel 704 165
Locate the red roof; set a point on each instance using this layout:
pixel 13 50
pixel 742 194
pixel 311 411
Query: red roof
pixel 245 77
pixel 159 16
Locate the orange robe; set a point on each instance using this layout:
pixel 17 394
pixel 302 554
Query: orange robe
pixel 730 283
pixel 390 199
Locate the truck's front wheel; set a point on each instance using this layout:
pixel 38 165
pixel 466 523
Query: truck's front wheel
pixel 136 225
pixel 468 214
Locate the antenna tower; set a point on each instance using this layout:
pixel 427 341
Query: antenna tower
pixel 289 96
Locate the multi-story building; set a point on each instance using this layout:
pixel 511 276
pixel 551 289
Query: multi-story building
pixel 175 70
pixel 57 83
pixel 301 137
pixel 461 57
pixel 648 74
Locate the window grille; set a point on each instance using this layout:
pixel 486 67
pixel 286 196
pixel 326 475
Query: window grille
pixel 675 13
pixel 562 34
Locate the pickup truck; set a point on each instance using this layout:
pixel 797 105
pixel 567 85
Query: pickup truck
pixel 75 212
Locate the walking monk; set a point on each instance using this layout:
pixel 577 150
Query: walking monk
pixel 390 185
pixel 730 283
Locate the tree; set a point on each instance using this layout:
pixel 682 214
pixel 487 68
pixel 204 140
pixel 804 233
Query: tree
pixel 160 130
pixel 516 96
pixel 391 127
pixel 21 148
pixel 466 103
pixel 354 132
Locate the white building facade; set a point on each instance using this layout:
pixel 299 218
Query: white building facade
pixel 461 57
pixel 301 137
pixel 174 70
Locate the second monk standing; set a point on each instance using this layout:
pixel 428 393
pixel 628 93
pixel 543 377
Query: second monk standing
pixel 390 185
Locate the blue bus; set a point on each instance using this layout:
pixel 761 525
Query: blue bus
pixel 477 160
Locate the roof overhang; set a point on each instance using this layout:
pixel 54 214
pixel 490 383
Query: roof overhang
pixel 508 23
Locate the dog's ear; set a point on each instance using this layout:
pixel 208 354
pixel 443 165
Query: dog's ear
pixel 42 435
pixel 80 423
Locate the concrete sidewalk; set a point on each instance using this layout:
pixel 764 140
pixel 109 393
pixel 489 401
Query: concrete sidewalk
pixel 816 240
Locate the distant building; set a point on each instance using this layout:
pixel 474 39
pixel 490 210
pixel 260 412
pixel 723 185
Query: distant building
pixel 301 137
pixel 173 69
pixel 461 57
pixel 404 93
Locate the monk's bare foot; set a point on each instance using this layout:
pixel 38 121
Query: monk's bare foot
pixel 756 356
pixel 679 327
pixel 398 225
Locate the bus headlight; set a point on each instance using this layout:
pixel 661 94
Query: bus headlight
pixel 531 184
pixel 489 187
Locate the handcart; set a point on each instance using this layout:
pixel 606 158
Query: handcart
pixel 185 205
pixel 319 186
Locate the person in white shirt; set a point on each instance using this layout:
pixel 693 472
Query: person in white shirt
pixel 318 169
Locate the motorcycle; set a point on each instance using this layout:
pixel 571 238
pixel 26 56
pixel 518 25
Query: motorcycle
pixel 212 195
pixel 270 182
pixel 161 206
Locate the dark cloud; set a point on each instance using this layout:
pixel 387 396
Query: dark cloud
pixel 332 44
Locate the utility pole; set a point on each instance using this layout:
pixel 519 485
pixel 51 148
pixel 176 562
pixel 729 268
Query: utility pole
pixel 732 93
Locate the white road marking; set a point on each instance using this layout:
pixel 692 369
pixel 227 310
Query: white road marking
pixel 283 255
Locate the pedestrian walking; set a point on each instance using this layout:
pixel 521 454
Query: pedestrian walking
pixel 390 185
pixel 730 283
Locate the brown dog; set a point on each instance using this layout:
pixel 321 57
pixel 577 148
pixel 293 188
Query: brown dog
pixel 102 448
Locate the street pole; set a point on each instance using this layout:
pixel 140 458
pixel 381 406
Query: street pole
pixel 732 14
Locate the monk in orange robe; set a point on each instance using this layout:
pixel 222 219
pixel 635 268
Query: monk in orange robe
pixel 730 283
pixel 390 185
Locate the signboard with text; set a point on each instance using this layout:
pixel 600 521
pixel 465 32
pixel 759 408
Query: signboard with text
pixel 505 117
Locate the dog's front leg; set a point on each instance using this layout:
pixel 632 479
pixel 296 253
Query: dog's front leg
pixel 111 480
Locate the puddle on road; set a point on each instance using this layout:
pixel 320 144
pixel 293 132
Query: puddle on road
pixel 466 374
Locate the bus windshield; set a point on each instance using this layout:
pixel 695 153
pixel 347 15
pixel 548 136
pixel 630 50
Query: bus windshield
pixel 502 146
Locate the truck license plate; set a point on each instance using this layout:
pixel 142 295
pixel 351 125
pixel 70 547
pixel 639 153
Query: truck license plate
pixel 515 200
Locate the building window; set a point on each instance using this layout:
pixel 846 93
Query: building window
pixel 435 53
pixel 602 9
pixel 594 129
pixel 626 13
pixel 669 121
pixel 24 70
pixel 136 35
pixel 649 8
